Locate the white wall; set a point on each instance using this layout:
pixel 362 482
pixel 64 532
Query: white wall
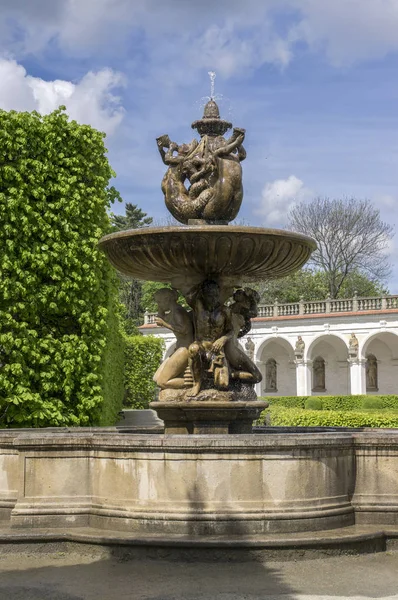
pixel 326 334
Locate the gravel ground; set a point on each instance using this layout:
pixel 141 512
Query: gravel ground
pixel 72 576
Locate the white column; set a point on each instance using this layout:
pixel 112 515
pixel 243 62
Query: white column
pixel 303 377
pixel 357 376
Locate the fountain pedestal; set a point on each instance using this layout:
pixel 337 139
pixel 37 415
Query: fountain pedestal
pixel 209 417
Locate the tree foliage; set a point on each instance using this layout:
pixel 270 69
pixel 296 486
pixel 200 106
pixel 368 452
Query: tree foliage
pixel 134 217
pixel 57 290
pixel 143 357
pixel 311 284
pixel 351 238
pixel 130 290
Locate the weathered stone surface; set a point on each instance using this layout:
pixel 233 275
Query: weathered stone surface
pixel 185 256
pixel 204 179
pixel 211 412
pixel 199 485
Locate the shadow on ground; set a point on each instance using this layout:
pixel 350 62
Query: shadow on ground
pixel 70 571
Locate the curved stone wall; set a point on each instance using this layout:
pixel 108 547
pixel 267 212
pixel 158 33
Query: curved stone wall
pixel 210 485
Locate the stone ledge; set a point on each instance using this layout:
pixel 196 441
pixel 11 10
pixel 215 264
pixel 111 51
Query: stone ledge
pixel 348 540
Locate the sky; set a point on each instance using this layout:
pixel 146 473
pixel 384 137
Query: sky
pixel 313 82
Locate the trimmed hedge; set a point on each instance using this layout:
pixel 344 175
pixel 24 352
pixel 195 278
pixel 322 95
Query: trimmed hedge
pixel 112 368
pixel 342 403
pixel 143 355
pixel 332 411
pixel 296 417
pixel 57 289
pixel 313 403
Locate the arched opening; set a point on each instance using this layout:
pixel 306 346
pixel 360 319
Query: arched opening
pixel 330 369
pixel 381 355
pixel 276 363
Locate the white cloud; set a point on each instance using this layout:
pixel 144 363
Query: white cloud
pixel 387 201
pixel 279 196
pixel 228 35
pixel 89 101
pixel 348 30
pixel 228 49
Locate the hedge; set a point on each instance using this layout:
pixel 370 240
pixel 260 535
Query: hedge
pixel 354 402
pixel 295 417
pixel 112 366
pixel 57 292
pixel 143 355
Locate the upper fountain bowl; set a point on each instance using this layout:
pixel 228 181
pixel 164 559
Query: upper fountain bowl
pixel 185 256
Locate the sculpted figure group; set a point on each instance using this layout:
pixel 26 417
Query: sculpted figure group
pixel 203 184
pixel 210 167
pixel 207 352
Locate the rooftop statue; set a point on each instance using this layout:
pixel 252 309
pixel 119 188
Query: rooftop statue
pixel 210 168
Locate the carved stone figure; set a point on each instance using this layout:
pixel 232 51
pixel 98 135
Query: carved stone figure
pixel 211 168
pixel 170 374
pixel 216 349
pixel 353 345
pixel 243 309
pixel 250 347
pixel 371 373
pixel 318 369
pixel 270 375
pixel 213 329
pixel 299 348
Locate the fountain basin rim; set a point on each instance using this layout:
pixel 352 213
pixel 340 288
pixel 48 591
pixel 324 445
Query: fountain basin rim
pixel 186 256
pixel 244 229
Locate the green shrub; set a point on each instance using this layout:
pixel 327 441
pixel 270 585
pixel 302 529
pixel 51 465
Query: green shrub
pixel 313 403
pixel 342 402
pixel 56 288
pixel 280 416
pixel 372 402
pixel 388 401
pixel 287 401
pixel 349 402
pixel 142 357
pixel 112 366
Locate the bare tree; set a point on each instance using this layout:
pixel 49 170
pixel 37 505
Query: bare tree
pixel 350 235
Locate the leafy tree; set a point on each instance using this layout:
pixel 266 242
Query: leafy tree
pixel 358 283
pixel 311 284
pixel 306 284
pixel 351 238
pixel 143 356
pixel 58 297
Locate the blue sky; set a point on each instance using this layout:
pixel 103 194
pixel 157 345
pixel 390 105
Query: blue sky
pixel 314 82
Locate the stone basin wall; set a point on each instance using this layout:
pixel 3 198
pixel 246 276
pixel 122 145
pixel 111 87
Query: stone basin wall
pixel 200 485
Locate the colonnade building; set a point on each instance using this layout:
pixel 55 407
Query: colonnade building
pixel 325 347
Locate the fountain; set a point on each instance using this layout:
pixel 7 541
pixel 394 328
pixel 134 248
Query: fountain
pixel 280 488
pixel 207 385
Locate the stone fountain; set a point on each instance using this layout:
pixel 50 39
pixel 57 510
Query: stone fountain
pixel 207 384
pixel 280 488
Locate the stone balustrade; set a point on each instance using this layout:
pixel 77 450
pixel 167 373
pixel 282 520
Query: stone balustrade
pixel 316 307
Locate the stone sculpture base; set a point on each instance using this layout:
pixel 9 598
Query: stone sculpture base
pixel 207 414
